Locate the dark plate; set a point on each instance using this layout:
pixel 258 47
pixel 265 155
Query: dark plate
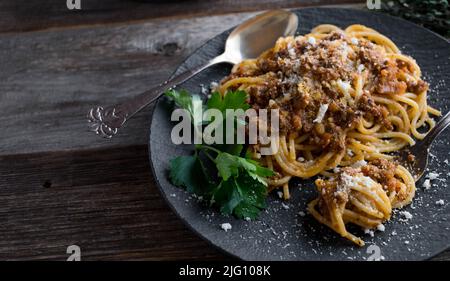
pixel 283 234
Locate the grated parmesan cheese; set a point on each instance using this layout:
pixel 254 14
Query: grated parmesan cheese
pixel 280 194
pixel 205 91
pixel 361 68
pixel 321 114
pixel 214 85
pixel 343 86
pixel 370 232
pixel 359 164
pixel 291 51
pixel 406 215
pixel 225 226
pixel 440 202
pixel 312 40
pixel 358 180
pixel 344 50
pixel 426 184
pixel 432 176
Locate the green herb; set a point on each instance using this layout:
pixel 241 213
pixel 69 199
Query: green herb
pixel 239 189
pixel 188 171
pixel 229 165
pixel 187 101
pixel 218 173
pixel 433 14
pixel 232 100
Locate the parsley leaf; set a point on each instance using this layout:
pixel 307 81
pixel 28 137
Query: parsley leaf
pixel 191 103
pixel 228 165
pixel 239 187
pixel 232 100
pixel 234 149
pixel 260 173
pixel 241 196
pixel 254 198
pixel 188 171
pixel 227 196
pixel 243 188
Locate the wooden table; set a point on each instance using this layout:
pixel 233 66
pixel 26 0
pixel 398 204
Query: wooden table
pixel 61 185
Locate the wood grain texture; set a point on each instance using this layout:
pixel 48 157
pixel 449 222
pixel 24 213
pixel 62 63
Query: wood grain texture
pixel 49 80
pixel 24 15
pixel 107 205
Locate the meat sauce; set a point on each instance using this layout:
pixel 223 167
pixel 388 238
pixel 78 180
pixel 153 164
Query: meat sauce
pixel 302 77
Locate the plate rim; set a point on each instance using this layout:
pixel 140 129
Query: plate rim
pixel 173 74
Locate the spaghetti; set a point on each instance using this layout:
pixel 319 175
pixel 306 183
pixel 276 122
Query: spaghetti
pixel 344 97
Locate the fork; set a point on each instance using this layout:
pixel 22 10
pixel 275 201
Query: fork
pixel 421 150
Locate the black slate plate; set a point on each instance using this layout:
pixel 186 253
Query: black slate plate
pixel 284 234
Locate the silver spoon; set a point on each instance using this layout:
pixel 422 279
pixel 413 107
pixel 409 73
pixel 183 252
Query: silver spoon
pixel 418 163
pixel 248 40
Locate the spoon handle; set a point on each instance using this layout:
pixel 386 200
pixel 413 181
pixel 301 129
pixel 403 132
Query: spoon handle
pixel 105 121
pixel 440 126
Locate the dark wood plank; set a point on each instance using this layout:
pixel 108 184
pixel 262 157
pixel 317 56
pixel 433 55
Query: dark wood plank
pixel 107 205
pixel 50 79
pixel 445 256
pixel 36 15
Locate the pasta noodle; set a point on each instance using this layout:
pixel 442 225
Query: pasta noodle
pixel 345 97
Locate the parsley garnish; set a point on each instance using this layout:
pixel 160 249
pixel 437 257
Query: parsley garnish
pixel 218 173
pixel 232 100
pixel 187 101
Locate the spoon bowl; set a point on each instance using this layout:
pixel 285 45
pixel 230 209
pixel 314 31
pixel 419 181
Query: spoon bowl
pixel 246 41
pixel 258 34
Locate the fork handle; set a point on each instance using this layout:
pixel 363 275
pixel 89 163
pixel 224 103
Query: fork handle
pixel 105 121
pixel 439 128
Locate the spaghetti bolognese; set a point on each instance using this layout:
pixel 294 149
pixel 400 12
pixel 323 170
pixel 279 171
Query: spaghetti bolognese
pixel 347 98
